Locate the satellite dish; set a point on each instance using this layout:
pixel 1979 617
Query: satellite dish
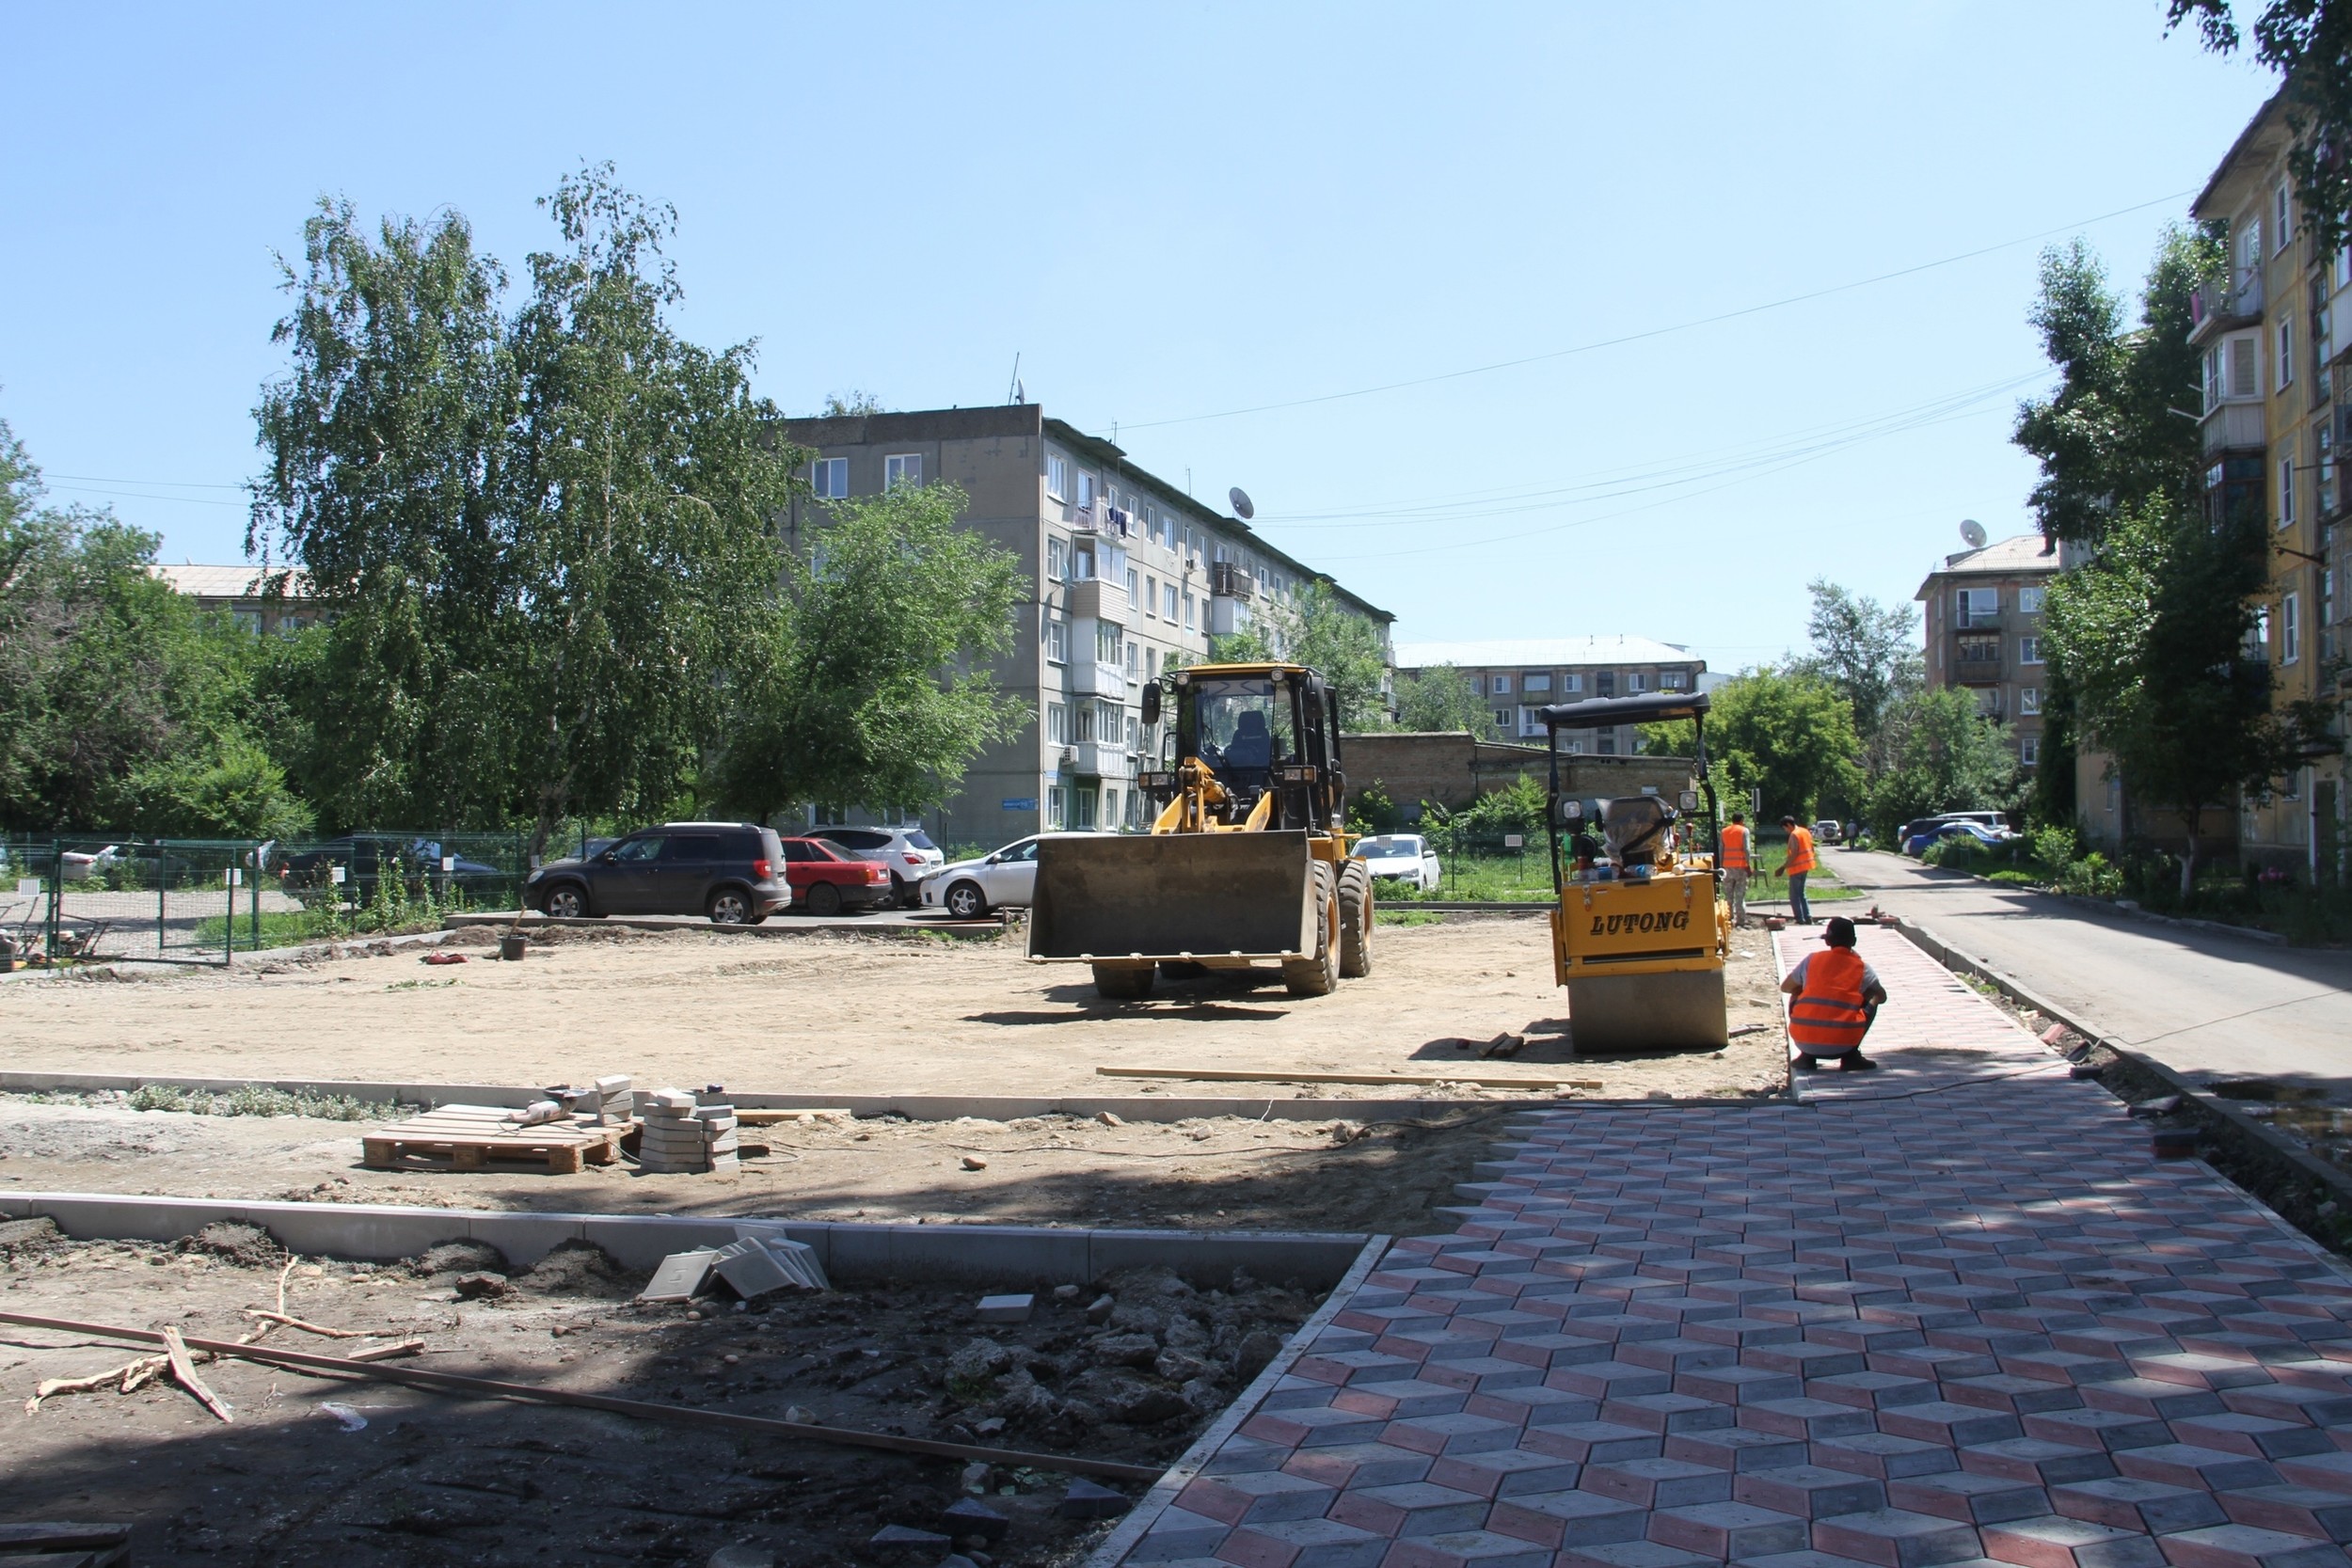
pixel 1240 498
pixel 1972 531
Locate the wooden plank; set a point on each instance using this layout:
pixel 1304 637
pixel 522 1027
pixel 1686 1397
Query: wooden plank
pixel 1224 1075
pixel 183 1372
pixel 62 1535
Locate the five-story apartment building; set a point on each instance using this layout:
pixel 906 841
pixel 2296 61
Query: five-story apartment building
pixel 1520 678
pixel 1983 626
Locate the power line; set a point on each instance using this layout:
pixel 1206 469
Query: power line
pixel 1659 331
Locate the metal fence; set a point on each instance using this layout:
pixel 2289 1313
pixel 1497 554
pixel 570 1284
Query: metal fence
pixel 98 897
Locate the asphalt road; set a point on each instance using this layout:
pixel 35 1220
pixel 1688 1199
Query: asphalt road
pixel 2198 1001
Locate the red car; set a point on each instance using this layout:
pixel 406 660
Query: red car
pixel 826 882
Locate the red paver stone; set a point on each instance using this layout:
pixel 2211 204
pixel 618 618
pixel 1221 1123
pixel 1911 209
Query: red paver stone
pixel 1895 1538
pixel 1593 1442
pixel 2295 1509
pixel 2185 1465
pixel 1414 1507
pixel 1357 1464
pixel 1568 1518
pixel 2019 1396
pixel 2097 1429
pixel 1399 1397
pixel 1634 1554
pixel 1246 1498
pixel 1504 1472
pixel 1810 1491
pixel 2055 1541
pixel 1730 1529
pixel 1311 1428
pixel 1969 1497
pixel 1667 1413
pixel 1942 1422
pixel 2262 1436
pixel 2331 1472
pixel 2038 1460
pixel 1806 1419
pixel 1304 1543
pixel 1658 1482
pixel 2150 1507
pixel 2249 1547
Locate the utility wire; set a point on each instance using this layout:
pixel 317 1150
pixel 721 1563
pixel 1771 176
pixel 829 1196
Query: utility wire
pixel 1657 331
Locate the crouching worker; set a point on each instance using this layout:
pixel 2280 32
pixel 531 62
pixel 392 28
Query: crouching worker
pixel 1838 999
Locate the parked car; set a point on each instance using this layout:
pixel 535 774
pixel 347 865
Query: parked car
pixel 1988 837
pixel 365 856
pixel 1400 857
pixel 734 872
pixel 909 853
pixel 1004 880
pixel 1827 832
pixel 826 880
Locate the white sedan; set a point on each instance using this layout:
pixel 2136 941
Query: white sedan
pixel 1400 857
pixel 1004 880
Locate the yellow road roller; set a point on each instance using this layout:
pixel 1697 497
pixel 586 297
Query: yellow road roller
pixel 1247 861
pixel 1640 935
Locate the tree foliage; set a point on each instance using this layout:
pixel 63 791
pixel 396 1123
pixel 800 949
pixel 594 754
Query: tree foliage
pixel 120 706
pixel 866 692
pixel 1939 754
pixel 1788 733
pixel 1318 630
pixel 544 540
pixel 1440 697
pixel 1868 653
pixel 2309 43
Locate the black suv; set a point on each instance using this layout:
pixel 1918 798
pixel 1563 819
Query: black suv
pixel 731 871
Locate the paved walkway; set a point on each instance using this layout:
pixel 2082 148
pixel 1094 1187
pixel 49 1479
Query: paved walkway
pixel 2202 1002
pixel 1944 1312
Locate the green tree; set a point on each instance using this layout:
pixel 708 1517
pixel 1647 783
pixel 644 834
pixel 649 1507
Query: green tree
pixel 545 542
pixel 1788 734
pixel 2155 635
pixel 1939 755
pixel 1315 627
pixel 868 691
pixel 2309 43
pixel 1442 698
pixel 120 706
pixel 1869 653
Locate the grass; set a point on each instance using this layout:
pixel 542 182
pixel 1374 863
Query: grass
pixel 1406 917
pixel 1527 880
pixel 261 1099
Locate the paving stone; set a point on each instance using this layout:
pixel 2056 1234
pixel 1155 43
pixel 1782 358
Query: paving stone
pixel 1942 1422
pixel 1178 1534
pixel 1412 1508
pixel 2186 1465
pixel 1871 1390
pixel 1312 1427
pixel 2295 1509
pixel 1531 1403
pixel 1245 1500
pixel 1730 1529
pixel 1304 1543
pixel 1593 1442
pixel 1877 1454
pixel 1807 1419
pixel 1658 1482
pixel 2262 1436
pixel 1399 1397
pixel 1504 1472
pixel 2054 1541
pixel 1969 1495
pixel 2019 1396
pixel 2150 1507
pixel 2331 1472
pixel 1895 1538
pixel 1634 1554
pixel 2097 1429
pixel 1807 1558
pixel 2040 1461
pixel 1565 1519
pixel 1358 1465
pixel 1476 1548
pixel 1678 1353
pixel 1810 1491
pixel 2249 1547
pixel 1736 1449
pixel 2288 1403
pixel 2146 1396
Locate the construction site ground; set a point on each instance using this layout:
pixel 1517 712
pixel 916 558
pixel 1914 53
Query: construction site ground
pixel 327 1470
pixel 851 1014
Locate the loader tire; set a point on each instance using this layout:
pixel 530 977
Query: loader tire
pixel 1355 921
pixel 1123 982
pixel 1320 974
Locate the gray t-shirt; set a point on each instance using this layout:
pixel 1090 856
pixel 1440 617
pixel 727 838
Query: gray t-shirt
pixel 1870 976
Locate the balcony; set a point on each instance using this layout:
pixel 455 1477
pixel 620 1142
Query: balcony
pixel 1978 658
pixel 1099 759
pixel 1978 620
pixel 1098 599
pixel 1092 678
pixel 2233 424
pixel 2220 304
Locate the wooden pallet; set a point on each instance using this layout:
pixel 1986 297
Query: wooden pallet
pixel 479 1137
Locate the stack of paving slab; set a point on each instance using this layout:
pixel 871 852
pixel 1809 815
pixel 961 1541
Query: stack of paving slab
pixel 682 1137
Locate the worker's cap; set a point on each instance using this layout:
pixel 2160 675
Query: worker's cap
pixel 1838 932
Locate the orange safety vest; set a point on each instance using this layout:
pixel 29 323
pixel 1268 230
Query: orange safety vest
pixel 1829 1015
pixel 1734 839
pixel 1800 851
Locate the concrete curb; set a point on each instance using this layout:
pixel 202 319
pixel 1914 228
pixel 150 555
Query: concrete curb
pixel 1189 1463
pixel 2269 1138
pixel 914 1107
pixel 787 924
pixel 987 1253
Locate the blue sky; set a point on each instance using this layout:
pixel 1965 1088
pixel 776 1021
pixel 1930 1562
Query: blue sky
pixel 1172 212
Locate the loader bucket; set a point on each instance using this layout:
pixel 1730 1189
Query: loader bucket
pixel 1681 1010
pixel 1174 896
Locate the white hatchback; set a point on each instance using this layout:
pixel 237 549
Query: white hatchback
pixel 1004 880
pixel 1400 857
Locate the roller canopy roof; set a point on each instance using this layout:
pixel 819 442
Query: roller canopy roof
pixel 1656 707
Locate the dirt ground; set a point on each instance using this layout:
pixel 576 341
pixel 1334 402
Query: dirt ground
pixel 316 1470
pixel 852 1013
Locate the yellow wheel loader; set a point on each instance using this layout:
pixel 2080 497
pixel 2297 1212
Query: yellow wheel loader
pixel 1640 936
pixel 1246 860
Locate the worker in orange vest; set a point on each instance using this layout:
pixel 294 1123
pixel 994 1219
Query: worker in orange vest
pixel 1793 866
pixel 1734 864
pixel 1837 998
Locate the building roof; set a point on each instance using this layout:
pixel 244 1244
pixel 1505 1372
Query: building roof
pixel 228 582
pixel 1539 652
pixel 2256 148
pixel 2026 555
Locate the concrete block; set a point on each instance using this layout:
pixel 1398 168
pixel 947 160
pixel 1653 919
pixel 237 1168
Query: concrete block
pixel 1006 1308
pixel 524 1238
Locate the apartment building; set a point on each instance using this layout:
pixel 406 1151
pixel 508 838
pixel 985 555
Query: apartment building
pixel 1983 629
pixel 241 592
pixel 1520 678
pixel 1131 575
pixel 2277 403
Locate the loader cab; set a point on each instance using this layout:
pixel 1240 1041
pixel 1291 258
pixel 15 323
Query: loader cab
pixel 1261 729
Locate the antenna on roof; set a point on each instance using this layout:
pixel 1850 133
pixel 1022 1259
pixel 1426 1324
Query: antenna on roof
pixel 1242 506
pixel 1972 531
pixel 1014 394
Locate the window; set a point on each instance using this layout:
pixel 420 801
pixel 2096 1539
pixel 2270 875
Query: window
pixel 1082 798
pixel 1632 681
pixel 2029 752
pixel 1082 733
pixel 1532 684
pixel 1054 809
pixel 1056 724
pixel 1057 640
pixel 902 467
pixel 1502 719
pixel 2324 445
pixel 1131 590
pixel 1107 639
pixel 1056 560
pixel 1979 606
pixel 1604 683
pixel 2281 230
pixel 1571 683
pixel 1134 660
pixel 2327 614
pixel 1530 720
pixel 1502 687
pixel 1110 808
pixel 1168 601
pixel 2244 367
pixel 2286 491
pixel 830 477
pixel 1151 600
pixel 2249 251
pixel 1673 680
pixel 1187 610
pixel 2030 650
pixel 2291 628
pixel 2028 699
pixel 2030 600
pixel 2286 351
pixel 1086 490
pixel 1605 744
pixel 1056 476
